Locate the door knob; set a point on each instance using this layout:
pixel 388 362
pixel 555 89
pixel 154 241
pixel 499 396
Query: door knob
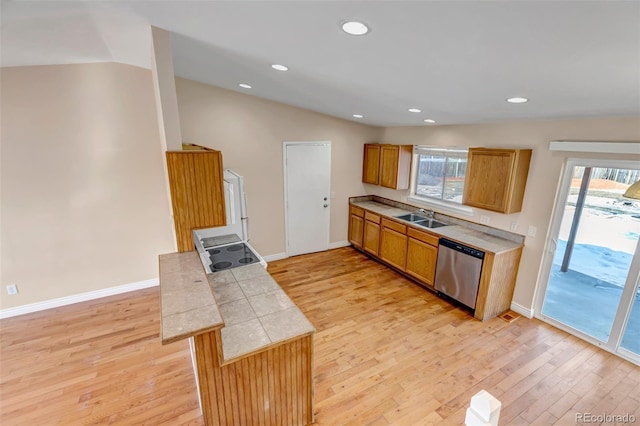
pixel 326 205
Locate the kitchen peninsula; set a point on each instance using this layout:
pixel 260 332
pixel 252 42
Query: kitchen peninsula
pixel 252 347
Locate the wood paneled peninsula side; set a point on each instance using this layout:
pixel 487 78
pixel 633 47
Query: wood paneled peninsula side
pixel 252 347
pixel 412 250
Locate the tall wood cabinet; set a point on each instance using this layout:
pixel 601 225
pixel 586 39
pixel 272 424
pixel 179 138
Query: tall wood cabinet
pixel 197 192
pixel 387 165
pixel 496 179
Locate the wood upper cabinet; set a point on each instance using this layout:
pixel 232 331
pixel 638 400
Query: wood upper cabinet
pixel 371 234
pixel 496 179
pixel 356 226
pixel 422 252
pixel 371 164
pixel 387 165
pixel 393 243
pixel 197 192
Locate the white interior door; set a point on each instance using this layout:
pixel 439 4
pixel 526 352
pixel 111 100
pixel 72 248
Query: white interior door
pixel 307 176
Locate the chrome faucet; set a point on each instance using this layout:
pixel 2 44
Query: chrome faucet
pixel 430 213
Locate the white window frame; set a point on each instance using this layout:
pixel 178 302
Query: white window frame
pixel 428 201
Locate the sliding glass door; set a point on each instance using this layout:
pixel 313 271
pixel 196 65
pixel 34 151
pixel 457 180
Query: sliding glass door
pixel 592 263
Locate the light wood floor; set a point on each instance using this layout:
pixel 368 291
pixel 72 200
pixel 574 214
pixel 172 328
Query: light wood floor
pixel 386 352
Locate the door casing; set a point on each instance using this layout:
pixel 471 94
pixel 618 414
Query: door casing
pixel 631 285
pixel 322 222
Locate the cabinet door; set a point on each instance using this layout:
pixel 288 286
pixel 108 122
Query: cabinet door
pixel 356 230
pixel 487 179
pixel 395 166
pixel 389 165
pixel 421 260
pixel 496 178
pixel 371 239
pixel 371 164
pixel 197 192
pixel 393 247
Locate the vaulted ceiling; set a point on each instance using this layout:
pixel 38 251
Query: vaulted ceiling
pixel 456 61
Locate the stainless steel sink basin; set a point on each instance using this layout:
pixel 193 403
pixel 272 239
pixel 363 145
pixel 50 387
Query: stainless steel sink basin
pixel 411 217
pixel 421 220
pixel 430 223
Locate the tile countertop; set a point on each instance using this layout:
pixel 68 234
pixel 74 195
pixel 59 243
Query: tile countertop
pixel 462 234
pixel 257 313
pixel 187 306
pixel 245 303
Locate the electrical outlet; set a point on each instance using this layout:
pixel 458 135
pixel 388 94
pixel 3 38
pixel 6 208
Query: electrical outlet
pixel 514 226
pixel 532 231
pixel 484 220
pixel 12 289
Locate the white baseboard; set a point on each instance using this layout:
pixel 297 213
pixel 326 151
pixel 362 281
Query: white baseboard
pixel 277 256
pixel 82 297
pixel 522 310
pixel 339 244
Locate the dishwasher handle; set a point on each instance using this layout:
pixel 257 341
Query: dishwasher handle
pixel 461 248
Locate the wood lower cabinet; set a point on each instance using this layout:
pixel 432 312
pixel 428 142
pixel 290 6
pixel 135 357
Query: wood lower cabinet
pixel 387 165
pixel 497 283
pixel 393 243
pixel 414 253
pixel 371 234
pixel 422 253
pixel 356 226
pixel 197 192
pixel 496 179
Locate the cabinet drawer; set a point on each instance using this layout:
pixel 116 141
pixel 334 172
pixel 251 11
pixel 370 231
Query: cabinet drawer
pixel 356 211
pixel 371 217
pixel 423 236
pixel 398 227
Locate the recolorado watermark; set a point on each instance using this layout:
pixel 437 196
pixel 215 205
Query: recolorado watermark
pixel 605 418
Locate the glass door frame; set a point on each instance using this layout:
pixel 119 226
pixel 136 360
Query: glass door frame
pixel 633 278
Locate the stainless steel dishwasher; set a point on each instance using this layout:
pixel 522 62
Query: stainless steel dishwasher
pixel 458 271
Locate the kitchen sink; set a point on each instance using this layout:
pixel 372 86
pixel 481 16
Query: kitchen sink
pixel 411 217
pixel 430 223
pixel 421 220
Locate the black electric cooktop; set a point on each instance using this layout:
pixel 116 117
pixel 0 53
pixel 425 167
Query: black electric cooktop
pixel 231 256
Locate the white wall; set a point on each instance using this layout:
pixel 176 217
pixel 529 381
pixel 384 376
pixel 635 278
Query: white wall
pixel 249 131
pixel 84 204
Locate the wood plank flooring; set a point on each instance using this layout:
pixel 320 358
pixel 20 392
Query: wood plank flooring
pixel 386 352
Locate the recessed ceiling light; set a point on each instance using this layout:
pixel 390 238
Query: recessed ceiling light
pixel 355 28
pixel 245 85
pixel 279 67
pixel 517 100
pixel 414 110
pixel 358 115
pixel 428 120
